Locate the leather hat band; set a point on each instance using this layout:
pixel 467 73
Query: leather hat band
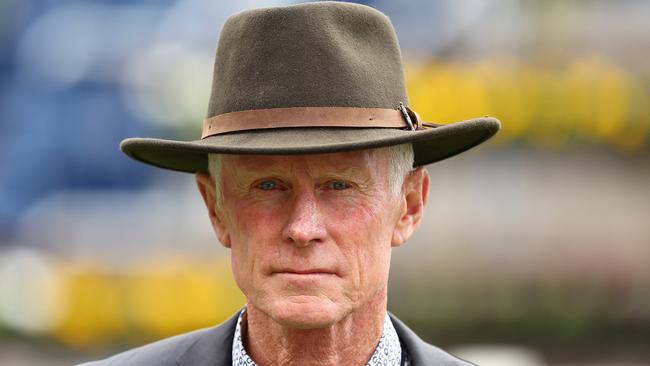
pixel 310 117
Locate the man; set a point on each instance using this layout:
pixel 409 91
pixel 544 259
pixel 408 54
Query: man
pixel 310 166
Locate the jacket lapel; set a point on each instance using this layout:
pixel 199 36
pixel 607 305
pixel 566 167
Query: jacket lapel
pixel 420 352
pixel 213 348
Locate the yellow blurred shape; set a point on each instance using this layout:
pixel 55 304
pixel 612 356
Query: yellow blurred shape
pixel 173 296
pixel 598 98
pixel 94 312
pixel 590 100
pixel 446 93
pixel 149 300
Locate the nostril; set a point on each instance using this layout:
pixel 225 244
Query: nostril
pixel 304 232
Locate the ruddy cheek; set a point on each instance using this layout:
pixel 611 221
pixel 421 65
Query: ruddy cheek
pixel 362 214
pixel 256 219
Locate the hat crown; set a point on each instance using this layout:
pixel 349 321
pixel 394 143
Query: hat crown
pixel 326 54
pixel 281 72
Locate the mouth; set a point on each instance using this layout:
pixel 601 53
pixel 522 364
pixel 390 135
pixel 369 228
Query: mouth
pixel 304 272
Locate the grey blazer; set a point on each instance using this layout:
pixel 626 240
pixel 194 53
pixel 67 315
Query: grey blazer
pixel 213 347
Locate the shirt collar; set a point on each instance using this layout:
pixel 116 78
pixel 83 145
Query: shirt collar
pixel 388 351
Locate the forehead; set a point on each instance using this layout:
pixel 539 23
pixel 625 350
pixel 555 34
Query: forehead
pixel 369 160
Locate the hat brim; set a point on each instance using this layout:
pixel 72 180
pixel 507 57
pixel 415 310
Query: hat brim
pixel 429 145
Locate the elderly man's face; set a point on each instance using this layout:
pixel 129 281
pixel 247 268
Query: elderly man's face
pixel 311 235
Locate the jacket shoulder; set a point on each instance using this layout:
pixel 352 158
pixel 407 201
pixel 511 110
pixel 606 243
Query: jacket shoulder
pixel 164 352
pixel 210 345
pixel 421 352
pixel 432 353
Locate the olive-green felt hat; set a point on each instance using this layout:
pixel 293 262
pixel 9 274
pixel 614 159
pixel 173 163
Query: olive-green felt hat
pixel 307 79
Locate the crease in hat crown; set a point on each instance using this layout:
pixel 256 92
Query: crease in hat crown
pixel 324 54
pixel 306 63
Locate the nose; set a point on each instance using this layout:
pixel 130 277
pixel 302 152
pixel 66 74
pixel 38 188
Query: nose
pixel 305 225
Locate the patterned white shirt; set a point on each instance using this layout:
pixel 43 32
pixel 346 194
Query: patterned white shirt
pixel 387 353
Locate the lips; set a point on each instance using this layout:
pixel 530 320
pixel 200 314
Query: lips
pixel 311 271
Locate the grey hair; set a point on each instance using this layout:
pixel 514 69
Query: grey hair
pixel 400 160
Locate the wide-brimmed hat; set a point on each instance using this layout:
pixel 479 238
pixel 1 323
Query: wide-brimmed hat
pixel 307 79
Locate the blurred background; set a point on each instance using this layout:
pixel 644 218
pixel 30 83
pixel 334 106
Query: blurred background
pixel 535 249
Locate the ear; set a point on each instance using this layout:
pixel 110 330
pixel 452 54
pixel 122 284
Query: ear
pixel 208 191
pixel 413 199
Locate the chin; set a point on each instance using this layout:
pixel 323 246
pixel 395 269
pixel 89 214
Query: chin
pixel 306 312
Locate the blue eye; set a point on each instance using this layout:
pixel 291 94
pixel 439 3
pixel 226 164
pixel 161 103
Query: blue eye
pixel 339 185
pixel 268 185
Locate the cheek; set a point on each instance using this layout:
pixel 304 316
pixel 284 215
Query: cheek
pixel 368 220
pixel 365 231
pixel 251 230
pixel 251 221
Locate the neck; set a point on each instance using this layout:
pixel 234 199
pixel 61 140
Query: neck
pixel 350 341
